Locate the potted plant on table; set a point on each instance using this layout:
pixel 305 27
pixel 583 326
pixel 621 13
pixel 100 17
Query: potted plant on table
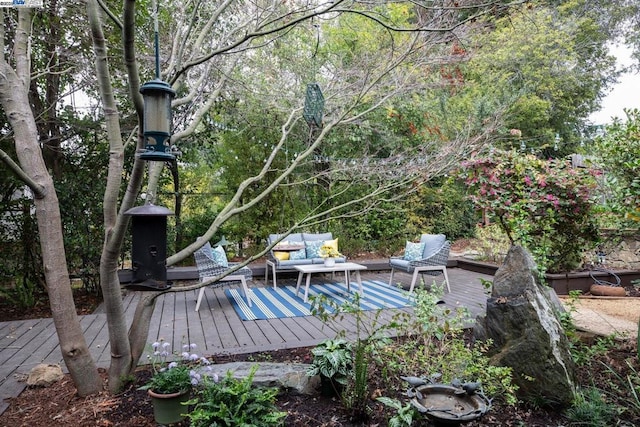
pixel 171 382
pixel 329 253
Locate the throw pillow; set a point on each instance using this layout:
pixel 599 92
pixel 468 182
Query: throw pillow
pixel 313 247
pixel 282 256
pixel 413 251
pixel 299 254
pixel 219 256
pixel 333 243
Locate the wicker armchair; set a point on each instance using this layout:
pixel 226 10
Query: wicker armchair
pixel 434 264
pixel 208 268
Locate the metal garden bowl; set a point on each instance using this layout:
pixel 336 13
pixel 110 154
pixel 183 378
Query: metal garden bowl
pixel 446 404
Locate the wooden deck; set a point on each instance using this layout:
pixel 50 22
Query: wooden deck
pixel 215 328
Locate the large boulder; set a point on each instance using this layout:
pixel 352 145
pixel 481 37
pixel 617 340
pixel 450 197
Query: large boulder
pixel 522 321
pixel 288 376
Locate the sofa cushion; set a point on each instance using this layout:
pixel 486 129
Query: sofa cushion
pixel 432 243
pixel 313 248
pixel 332 243
pixel 281 255
pixel 337 259
pixel 300 254
pixel 413 251
pixel 292 263
pixel 309 237
pixel 293 237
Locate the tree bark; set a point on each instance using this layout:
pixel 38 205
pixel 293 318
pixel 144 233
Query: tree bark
pixel 14 86
pixel 114 221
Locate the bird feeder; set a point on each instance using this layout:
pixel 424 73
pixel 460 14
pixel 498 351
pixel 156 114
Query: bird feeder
pixel 149 247
pixel 313 105
pixel 157 96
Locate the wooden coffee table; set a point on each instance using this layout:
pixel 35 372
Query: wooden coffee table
pixel 347 267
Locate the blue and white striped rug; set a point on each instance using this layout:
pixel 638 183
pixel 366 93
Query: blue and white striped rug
pixel 269 303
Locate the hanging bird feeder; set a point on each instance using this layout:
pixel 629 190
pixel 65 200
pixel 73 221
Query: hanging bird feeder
pixel 157 120
pixel 157 96
pixel 313 105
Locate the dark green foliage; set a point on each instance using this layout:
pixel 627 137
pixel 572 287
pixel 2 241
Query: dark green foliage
pixel 80 188
pixel 370 232
pixel 233 402
pixel 618 152
pixel 442 208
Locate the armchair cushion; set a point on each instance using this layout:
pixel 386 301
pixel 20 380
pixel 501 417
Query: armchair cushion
pixel 399 263
pixel 219 256
pixel 413 251
pixel 432 244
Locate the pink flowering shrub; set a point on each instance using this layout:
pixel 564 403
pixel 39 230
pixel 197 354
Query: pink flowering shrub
pixel 544 205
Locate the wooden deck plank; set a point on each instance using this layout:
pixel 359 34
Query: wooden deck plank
pixel 23 335
pixel 97 335
pixel 254 333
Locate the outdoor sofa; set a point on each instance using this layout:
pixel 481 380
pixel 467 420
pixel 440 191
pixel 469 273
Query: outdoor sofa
pixel 299 249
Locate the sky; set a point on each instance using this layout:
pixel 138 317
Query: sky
pixel 625 94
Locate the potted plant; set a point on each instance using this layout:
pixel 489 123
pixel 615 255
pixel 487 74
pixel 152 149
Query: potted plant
pixel 332 360
pixel 329 253
pixel 171 382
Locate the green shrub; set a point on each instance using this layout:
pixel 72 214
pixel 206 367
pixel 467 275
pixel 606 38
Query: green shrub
pixel 491 243
pixel 442 208
pixel 591 409
pixel 231 402
pixel 429 340
pixel 618 152
pixel 544 205
pixel 432 341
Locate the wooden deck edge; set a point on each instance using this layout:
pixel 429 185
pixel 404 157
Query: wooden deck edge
pixel 258 270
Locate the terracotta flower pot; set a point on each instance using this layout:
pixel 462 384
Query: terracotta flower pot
pixel 608 291
pixel 167 408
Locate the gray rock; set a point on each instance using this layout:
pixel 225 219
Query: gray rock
pixel 522 321
pixel 44 375
pixel 289 376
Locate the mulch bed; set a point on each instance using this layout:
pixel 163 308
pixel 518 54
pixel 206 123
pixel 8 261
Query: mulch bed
pixel 58 405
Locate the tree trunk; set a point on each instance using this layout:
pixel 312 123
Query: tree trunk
pixel 15 102
pixel 113 223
